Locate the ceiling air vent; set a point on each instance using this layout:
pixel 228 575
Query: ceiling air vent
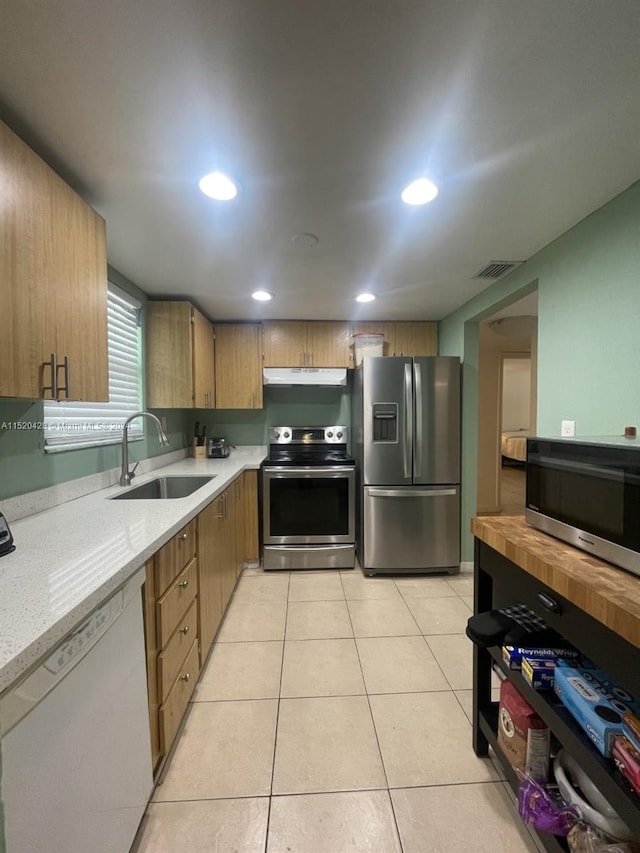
pixel 496 269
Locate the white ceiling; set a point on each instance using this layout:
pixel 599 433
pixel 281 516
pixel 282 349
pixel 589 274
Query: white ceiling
pixel 526 113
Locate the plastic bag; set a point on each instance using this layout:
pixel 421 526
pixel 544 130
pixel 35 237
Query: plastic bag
pixel 584 838
pixel 544 809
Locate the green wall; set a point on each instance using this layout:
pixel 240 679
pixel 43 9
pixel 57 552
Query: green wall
pixel 588 285
pixel 300 406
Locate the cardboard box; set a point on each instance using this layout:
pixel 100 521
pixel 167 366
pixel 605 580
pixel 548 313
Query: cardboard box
pixel 631 726
pixel 523 736
pixel 596 701
pixel 538 672
pixel 512 655
pixel 627 759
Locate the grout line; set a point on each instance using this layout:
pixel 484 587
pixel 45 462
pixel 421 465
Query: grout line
pixel 275 734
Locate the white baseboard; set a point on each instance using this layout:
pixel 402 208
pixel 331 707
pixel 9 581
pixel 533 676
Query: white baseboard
pixel 467 566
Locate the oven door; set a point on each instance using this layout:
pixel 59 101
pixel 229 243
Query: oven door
pixel 308 505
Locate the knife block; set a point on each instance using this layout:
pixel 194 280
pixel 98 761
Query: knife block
pixel 199 451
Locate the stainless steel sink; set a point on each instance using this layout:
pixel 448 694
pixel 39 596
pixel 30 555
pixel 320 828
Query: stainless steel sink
pixel 163 488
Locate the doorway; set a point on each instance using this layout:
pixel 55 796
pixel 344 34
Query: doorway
pixel 515 418
pixel 507 338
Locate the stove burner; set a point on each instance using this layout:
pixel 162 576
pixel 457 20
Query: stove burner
pixel 308 446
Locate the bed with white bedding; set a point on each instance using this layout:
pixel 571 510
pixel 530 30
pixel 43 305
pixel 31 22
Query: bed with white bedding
pixel 514 445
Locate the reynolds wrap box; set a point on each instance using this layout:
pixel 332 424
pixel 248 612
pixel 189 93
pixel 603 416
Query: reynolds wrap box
pixel 512 655
pixel 596 701
pixel 538 672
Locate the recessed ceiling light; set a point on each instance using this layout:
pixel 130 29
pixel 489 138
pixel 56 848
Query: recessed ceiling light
pixel 365 297
pixel 419 191
pixel 262 295
pixel 218 186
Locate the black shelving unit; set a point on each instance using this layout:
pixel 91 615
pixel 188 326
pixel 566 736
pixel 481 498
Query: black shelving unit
pixel 498 581
pixel 489 726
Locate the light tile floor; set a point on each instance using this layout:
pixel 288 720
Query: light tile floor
pixel 333 716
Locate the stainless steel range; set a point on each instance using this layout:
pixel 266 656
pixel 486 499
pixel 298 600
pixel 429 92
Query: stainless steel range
pixel 308 499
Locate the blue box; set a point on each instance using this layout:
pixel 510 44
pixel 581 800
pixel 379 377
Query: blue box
pixel 595 700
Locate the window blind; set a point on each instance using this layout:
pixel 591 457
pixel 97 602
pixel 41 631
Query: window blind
pixel 69 425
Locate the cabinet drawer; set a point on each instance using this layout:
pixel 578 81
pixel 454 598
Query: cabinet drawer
pixel 172 711
pixel 175 601
pixel 172 656
pixel 175 555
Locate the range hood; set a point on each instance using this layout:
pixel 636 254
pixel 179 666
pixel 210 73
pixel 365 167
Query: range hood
pixel 287 376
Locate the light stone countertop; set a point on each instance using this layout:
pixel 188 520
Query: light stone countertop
pixel 70 558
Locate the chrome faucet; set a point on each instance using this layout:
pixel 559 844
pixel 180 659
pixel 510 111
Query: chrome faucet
pixel 125 474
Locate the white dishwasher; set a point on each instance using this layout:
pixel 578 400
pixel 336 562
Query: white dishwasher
pixel 76 755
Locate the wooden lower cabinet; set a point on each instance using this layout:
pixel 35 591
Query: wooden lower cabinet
pixel 227 538
pixel 228 570
pixel 251 546
pixel 151 648
pixel 211 555
pixel 170 597
pixel 189 583
pixel 173 708
pixel 174 653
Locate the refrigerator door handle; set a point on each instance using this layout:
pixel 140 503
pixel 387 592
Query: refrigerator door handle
pixel 408 421
pixel 410 493
pixel 417 374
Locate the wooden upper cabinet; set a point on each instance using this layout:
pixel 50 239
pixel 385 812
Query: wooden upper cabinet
pixel 328 344
pixel 238 366
pixel 402 338
pixel 301 343
pixel 416 339
pixel 203 344
pixel 53 283
pixel 285 343
pixel 180 357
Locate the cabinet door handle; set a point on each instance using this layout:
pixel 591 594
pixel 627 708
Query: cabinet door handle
pixel 184 630
pixel 67 386
pixel 183 584
pixel 185 676
pixel 53 364
pixel 549 603
pixel 183 537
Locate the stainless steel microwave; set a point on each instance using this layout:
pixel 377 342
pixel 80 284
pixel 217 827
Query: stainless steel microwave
pixel 587 493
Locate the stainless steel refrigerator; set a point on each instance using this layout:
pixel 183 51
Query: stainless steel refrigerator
pixel 406 440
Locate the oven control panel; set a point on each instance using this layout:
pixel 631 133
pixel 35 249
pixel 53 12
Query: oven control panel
pixel 308 435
